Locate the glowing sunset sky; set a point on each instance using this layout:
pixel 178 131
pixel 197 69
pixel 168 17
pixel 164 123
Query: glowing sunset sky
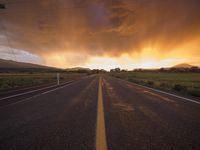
pixel 101 33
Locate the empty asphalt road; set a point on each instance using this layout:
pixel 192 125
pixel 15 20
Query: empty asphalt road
pixel 99 112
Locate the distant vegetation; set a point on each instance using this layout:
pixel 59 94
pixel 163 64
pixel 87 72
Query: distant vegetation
pixel 17 80
pixel 177 68
pixel 9 66
pixel 185 82
pixel 19 74
pixel 183 79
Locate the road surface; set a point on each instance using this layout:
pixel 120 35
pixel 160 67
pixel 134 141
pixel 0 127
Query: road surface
pixel 99 112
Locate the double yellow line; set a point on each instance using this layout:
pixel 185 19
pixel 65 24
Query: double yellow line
pixel 101 143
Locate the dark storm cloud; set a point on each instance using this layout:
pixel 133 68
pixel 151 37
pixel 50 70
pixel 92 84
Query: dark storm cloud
pixel 98 27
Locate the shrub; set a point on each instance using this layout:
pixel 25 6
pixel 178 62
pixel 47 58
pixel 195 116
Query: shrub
pixel 141 82
pixel 151 83
pixel 131 80
pixel 118 76
pixel 4 86
pixel 137 81
pixel 178 87
pixel 194 92
pixel 163 85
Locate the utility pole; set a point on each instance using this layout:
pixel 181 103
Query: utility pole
pixel 58 78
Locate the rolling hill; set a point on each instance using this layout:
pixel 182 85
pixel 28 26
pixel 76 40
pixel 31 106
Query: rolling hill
pixel 183 65
pixel 14 66
pixel 78 69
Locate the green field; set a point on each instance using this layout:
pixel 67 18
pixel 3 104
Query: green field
pixel 18 80
pixel 181 83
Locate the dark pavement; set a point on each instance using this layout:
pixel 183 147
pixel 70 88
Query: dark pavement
pixel 136 118
pixel 140 119
pixel 62 119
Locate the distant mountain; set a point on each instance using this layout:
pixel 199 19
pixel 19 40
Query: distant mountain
pixel 78 69
pixel 183 65
pixel 10 65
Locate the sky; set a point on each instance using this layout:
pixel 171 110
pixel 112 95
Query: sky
pixel 101 33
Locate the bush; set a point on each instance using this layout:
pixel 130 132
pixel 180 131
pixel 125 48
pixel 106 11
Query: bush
pixel 4 86
pixel 150 83
pixel 118 76
pixel 163 85
pixel 131 80
pixel 178 87
pixel 141 82
pixel 194 92
pixel 138 81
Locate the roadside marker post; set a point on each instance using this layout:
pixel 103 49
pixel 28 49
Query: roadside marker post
pixel 58 78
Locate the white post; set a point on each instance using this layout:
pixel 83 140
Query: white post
pixel 58 78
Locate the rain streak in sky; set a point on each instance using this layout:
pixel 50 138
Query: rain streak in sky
pixel 101 33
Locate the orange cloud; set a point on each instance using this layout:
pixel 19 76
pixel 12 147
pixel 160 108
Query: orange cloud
pixel 80 32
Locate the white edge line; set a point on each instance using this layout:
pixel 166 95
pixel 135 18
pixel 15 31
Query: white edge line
pixel 36 95
pixel 55 89
pixel 159 91
pixel 20 94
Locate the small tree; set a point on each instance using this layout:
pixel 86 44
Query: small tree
pixel 117 69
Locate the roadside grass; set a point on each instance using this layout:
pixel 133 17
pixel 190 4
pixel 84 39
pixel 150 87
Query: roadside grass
pixel 19 80
pixel 187 84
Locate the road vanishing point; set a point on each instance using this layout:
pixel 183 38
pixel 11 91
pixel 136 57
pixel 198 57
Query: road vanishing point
pixel 98 112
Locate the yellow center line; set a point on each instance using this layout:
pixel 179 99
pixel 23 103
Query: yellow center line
pixel 101 143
